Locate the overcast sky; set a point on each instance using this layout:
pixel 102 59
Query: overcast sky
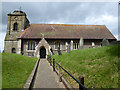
pixel 87 13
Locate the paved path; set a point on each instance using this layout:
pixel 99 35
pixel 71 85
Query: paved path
pixel 45 77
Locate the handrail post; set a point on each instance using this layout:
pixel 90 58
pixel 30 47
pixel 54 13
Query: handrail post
pixel 60 72
pixel 81 79
pixel 53 64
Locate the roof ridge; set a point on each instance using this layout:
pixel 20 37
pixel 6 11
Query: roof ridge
pixel 65 24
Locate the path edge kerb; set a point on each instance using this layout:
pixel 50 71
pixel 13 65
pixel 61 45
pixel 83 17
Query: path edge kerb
pixel 32 75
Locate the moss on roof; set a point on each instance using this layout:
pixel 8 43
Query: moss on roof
pixel 67 31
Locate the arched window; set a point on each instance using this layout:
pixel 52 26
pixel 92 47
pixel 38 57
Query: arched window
pixel 75 45
pixel 31 45
pixel 57 45
pixel 13 50
pixel 28 46
pixel 15 26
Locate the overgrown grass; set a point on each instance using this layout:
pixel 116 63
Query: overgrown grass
pixel 16 70
pixel 99 66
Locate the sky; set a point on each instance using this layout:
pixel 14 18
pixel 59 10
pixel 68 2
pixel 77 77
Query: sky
pixel 83 13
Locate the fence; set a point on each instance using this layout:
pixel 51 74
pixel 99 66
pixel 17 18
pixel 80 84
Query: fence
pixel 81 79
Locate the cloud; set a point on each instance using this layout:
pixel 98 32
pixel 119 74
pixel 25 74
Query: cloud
pixel 110 21
pixel 63 12
pixel 53 22
pixel 102 20
pixel 2 36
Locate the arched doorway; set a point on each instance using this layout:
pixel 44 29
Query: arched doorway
pixel 42 52
pixel 13 50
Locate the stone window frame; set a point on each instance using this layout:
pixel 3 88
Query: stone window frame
pixel 14 26
pixel 31 54
pixel 75 45
pixel 58 41
pixel 31 43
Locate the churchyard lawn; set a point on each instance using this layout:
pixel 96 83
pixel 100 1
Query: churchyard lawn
pixel 16 70
pixel 99 66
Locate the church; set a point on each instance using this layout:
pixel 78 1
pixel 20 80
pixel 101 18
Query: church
pixel 39 40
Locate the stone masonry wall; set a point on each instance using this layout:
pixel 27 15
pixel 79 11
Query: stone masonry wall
pixel 25 47
pixel 87 44
pixel 8 45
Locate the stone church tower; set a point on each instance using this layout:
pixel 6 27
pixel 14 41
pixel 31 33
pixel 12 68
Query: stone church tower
pixel 17 22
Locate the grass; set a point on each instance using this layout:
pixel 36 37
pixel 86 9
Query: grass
pixel 16 70
pixel 99 66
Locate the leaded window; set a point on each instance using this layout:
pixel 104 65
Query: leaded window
pixel 34 46
pixel 57 45
pixel 28 45
pixel 31 45
pixel 75 45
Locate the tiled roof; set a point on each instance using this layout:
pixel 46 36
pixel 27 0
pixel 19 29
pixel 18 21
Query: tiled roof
pixel 65 31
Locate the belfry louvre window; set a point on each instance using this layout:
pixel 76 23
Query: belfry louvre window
pixel 15 27
pixel 57 45
pixel 31 45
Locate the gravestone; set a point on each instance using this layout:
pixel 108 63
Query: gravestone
pixel 81 43
pixel 105 42
pixel 93 44
pixel 59 52
pixel 71 44
pixel 68 49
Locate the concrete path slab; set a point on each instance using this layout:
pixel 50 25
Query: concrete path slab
pixel 45 77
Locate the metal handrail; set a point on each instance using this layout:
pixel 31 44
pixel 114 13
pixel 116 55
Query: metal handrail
pixel 71 75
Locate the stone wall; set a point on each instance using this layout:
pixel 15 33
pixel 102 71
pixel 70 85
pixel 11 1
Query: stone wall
pixel 8 45
pixel 21 20
pixel 25 47
pixel 11 38
pixel 50 42
pixel 42 43
pixel 87 44
pixel 62 45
